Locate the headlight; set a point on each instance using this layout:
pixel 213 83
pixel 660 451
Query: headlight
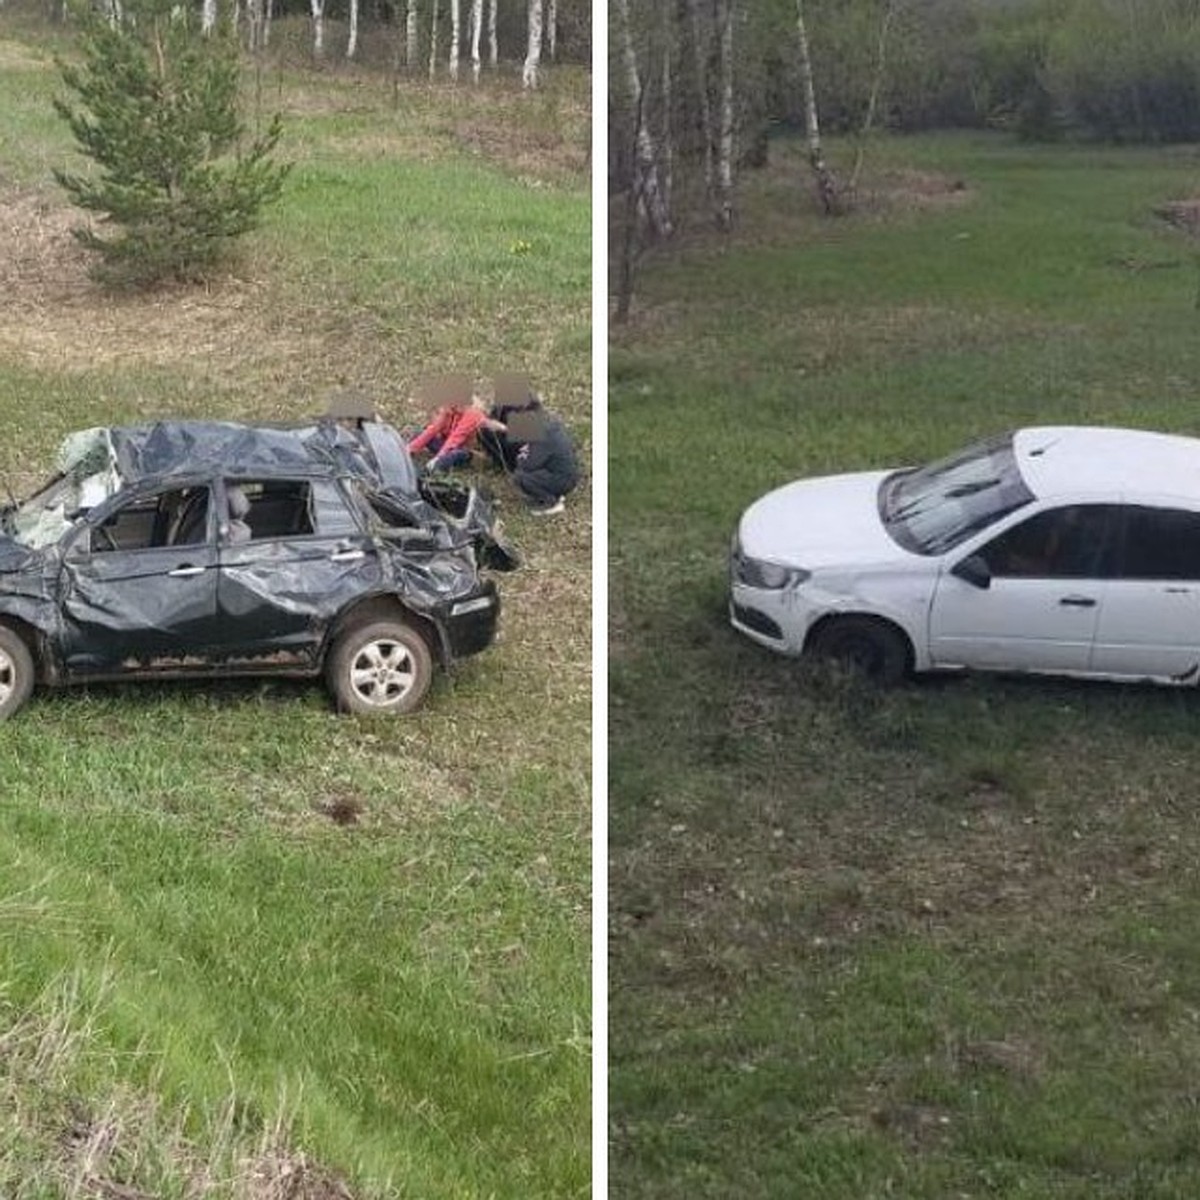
pixel 756 573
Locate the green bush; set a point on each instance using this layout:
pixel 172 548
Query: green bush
pixel 155 106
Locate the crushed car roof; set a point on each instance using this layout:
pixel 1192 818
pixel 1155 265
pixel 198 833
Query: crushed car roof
pixel 167 448
pixel 173 448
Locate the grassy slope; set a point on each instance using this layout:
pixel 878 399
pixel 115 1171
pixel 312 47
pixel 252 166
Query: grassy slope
pixel 410 989
pixel 935 942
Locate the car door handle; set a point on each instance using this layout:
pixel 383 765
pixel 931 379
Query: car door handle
pixel 347 555
pixel 185 571
pixel 1078 602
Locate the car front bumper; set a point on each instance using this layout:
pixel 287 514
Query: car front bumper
pixel 469 623
pixel 776 618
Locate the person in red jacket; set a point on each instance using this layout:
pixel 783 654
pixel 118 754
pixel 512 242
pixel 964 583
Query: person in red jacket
pixel 450 434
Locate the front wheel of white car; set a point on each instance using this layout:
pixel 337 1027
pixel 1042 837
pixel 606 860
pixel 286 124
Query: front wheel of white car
pixel 864 646
pixel 383 668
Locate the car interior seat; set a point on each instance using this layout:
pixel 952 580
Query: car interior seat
pixel 239 510
pixel 191 524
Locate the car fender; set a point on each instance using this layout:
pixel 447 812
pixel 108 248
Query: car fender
pixel 902 599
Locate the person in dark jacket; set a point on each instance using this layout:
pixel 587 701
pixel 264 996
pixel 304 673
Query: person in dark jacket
pixel 546 469
pixel 513 395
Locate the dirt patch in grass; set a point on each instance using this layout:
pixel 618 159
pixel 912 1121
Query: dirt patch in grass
pixel 909 188
pixel 56 317
pixel 1183 215
pixel 14 57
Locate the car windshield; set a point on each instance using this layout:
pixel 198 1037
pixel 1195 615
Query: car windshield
pixel 932 509
pixel 87 476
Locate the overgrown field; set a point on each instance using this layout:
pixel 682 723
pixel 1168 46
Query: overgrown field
pixel 938 941
pixel 249 948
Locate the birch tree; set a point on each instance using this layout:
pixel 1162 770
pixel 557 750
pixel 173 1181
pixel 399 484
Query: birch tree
pixel 318 20
pixel 455 37
pixel 877 78
pixel 476 30
pixel 827 190
pixel 208 16
pixel 256 25
pixel 533 54
pixel 724 163
pixel 433 42
pixel 552 28
pixel 493 42
pixel 645 168
pixel 352 40
pixel 411 20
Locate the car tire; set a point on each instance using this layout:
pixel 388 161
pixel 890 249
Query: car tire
pixel 16 672
pixel 872 649
pixel 383 668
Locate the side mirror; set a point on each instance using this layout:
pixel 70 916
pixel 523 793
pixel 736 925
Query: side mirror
pixel 973 570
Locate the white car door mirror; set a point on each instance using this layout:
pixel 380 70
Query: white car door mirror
pixel 973 570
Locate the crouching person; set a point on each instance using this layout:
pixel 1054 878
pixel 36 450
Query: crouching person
pixel 547 469
pixel 451 432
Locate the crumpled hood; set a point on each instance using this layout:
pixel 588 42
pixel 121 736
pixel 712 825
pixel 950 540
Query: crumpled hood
pixel 13 556
pixel 827 522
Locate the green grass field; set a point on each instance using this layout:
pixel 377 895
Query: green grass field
pixel 939 941
pixel 250 947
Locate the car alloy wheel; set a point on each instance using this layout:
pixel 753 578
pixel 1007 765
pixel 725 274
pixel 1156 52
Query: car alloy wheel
pixel 384 667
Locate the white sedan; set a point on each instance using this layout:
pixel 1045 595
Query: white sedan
pixel 1063 550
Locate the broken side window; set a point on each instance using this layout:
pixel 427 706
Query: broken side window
pixel 178 517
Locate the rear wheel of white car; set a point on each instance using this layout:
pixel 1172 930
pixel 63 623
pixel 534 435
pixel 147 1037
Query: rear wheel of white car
pixel 866 647
pixel 382 668
pixel 16 672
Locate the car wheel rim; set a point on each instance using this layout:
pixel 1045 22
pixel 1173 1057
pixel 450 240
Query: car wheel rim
pixel 8 677
pixel 382 673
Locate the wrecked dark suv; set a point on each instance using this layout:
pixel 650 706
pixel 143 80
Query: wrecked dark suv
pixel 209 548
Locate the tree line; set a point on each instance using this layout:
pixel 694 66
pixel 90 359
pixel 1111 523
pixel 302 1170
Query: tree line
pixel 697 86
pixel 443 38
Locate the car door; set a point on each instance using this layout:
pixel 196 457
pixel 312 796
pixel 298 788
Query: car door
pixel 138 585
pixel 1150 622
pixel 1030 598
pixel 302 557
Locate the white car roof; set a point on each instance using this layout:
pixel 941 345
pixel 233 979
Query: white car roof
pixel 1071 459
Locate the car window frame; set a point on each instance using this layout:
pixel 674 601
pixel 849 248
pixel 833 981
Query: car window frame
pixel 228 479
pixel 81 532
pixel 1110 555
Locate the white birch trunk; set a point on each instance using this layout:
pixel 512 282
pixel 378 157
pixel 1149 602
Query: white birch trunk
pixel 208 16
pixel 410 35
pixel 268 13
pixel 826 184
pixel 646 164
pixel 668 132
pixel 724 163
pixel 700 46
pixel 493 43
pixel 318 16
pixel 254 25
pixel 455 37
pixel 352 41
pixel 552 28
pixel 476 32
pixel 533 53
pixel 433 47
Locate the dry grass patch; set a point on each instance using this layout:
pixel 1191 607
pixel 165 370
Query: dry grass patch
pixel 57 318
